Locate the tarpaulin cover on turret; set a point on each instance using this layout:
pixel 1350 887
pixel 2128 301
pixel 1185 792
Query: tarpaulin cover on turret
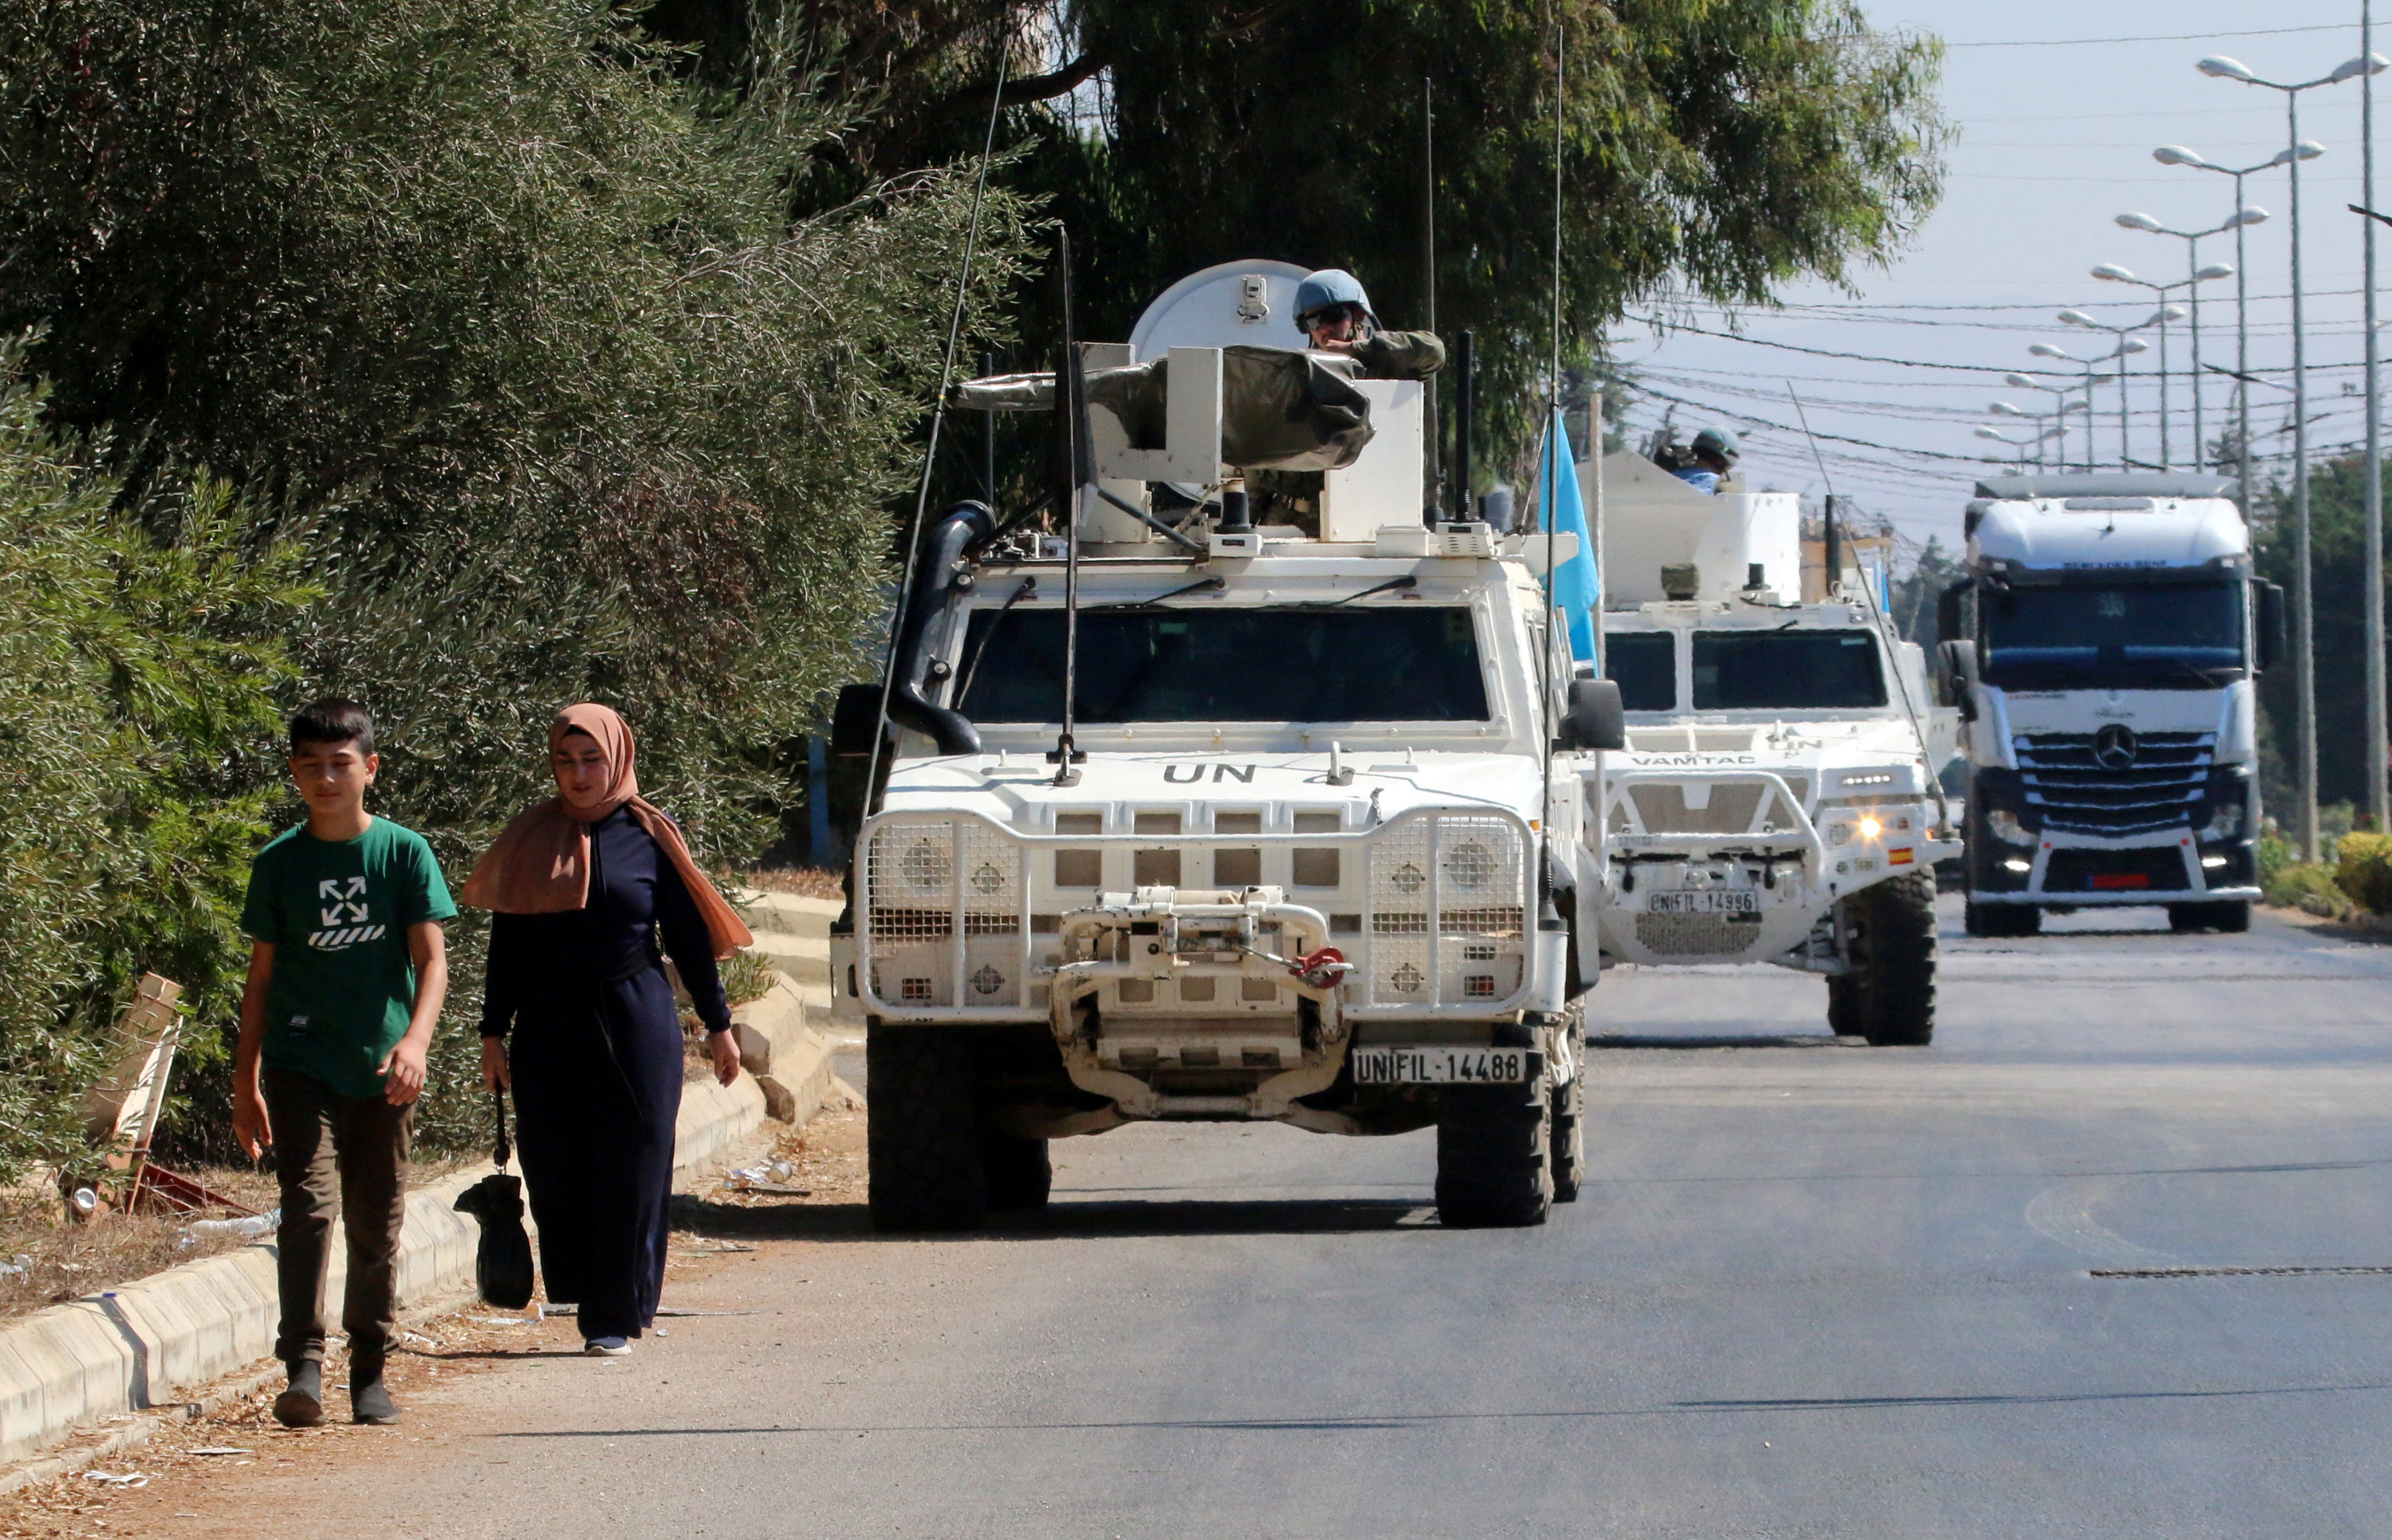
pixel 1280 410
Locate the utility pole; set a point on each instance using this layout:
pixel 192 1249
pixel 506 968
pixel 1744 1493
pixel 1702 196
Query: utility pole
pixel 2377 793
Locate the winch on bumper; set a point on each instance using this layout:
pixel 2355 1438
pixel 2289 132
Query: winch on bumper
pixel 1199 1004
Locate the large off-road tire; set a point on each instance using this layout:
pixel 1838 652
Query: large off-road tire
pixel 2002 920
pixel 1568 1136
pixel 1891 930
pixel 1494 1163
pixel 1019 1175
pixel 922 1130
pixel 1843 1006
pixel 2230 916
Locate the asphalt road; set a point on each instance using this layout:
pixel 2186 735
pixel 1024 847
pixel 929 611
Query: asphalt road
pixel 1814 1288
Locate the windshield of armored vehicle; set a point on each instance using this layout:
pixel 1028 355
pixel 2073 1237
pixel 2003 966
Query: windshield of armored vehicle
pixel 2112 636
pixel 1413 663
pixel 1644 664
pixel 1786 670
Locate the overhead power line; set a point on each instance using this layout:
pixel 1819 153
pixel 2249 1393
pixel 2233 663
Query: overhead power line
pixel 1839 438
pixel 2169 37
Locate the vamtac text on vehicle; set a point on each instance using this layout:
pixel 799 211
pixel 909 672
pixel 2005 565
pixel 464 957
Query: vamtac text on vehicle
pixel 1286 847
pixel 2103 651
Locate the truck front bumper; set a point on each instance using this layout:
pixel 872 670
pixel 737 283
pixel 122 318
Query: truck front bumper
pixel 2069 871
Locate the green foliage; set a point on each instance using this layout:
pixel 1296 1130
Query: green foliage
pixel 510 327
pixel 2364 870
pixel 746 977
pixel 1719 150
pixel 2337 539
pixel 1715 148
pixel 2302 885
pixel 1918 592
pixel 136 674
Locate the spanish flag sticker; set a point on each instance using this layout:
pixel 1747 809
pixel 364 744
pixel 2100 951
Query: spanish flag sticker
pixel 1898 856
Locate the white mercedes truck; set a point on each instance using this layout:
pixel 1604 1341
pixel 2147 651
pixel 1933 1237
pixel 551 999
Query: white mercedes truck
pixel 1777 802
pixel 2103 649
pixel 1301 849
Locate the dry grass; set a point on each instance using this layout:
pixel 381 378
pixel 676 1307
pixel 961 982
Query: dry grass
pixel 61 1263
pixel 52 1262
pixel 806 882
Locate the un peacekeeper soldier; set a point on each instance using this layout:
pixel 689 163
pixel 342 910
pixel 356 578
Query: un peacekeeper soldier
pixel 1714 455
pixel 1335 314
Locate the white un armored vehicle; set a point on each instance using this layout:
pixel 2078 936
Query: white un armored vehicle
pixel 1777 803
pixel 1296 876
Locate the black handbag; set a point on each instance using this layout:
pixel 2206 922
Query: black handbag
pixel 503 1264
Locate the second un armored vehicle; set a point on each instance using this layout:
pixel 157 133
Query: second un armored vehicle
pixel 1777 802
pixel 1284 858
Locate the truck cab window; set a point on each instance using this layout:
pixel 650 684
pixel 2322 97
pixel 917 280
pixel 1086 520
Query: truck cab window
pixel 2114 636
pixel 1644 664
pixel 1821 670
pixel 1414 664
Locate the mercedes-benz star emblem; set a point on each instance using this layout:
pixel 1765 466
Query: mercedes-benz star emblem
pixel 2115 746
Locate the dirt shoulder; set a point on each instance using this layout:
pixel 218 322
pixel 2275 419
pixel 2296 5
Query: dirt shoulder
pixel 269 1480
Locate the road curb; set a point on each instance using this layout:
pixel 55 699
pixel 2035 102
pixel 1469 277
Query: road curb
pixel 131 1350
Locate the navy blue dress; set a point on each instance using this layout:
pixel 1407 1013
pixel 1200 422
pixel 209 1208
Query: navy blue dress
pixel 597 1062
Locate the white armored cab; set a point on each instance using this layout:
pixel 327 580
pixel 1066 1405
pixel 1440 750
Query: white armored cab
pixel 1300 874
pixel 1777 802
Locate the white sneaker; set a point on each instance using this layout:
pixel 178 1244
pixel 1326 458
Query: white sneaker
pixel 607 1347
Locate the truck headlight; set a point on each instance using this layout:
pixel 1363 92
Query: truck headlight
pixel 2224 822
pixel 2004 825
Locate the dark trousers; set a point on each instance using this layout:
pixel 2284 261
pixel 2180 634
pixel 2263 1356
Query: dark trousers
pixel 597 1091
pixel 325 1144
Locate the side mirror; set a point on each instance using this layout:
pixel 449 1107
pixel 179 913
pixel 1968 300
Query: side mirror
pixel 1594 718
pixel 1947 609
pixel 2272 644
pixel 1956 671
pixel 855 721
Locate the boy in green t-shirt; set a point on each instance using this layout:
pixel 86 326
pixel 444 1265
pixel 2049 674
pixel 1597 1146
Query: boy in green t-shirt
pixel 347 969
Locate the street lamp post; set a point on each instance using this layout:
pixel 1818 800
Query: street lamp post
pixel 2059 410
pixel 2127 346
pixel 2056 419
pixel 2304 607
pixel 2109 271
pixel 2177 155
pixel 2199 274
pixel 2021 445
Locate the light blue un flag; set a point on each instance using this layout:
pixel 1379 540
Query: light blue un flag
pixel 1575 588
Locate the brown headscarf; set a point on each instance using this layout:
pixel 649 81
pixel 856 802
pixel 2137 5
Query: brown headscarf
pixel 541 863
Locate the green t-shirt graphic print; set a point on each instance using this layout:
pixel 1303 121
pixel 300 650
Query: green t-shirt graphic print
pixel 336 915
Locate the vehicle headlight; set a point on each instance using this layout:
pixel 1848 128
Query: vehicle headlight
pixel 2225 822
pixel 1867 778
pixel 1839 834
pixel 1870 828
pixel 2004 825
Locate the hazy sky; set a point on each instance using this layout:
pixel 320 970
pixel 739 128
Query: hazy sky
pixel 2055 141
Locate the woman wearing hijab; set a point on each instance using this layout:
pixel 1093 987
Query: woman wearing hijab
pixel 583 887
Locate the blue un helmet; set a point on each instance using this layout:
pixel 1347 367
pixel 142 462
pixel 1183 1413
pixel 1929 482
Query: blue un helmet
pixel 1328 287
pixel 1721 442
